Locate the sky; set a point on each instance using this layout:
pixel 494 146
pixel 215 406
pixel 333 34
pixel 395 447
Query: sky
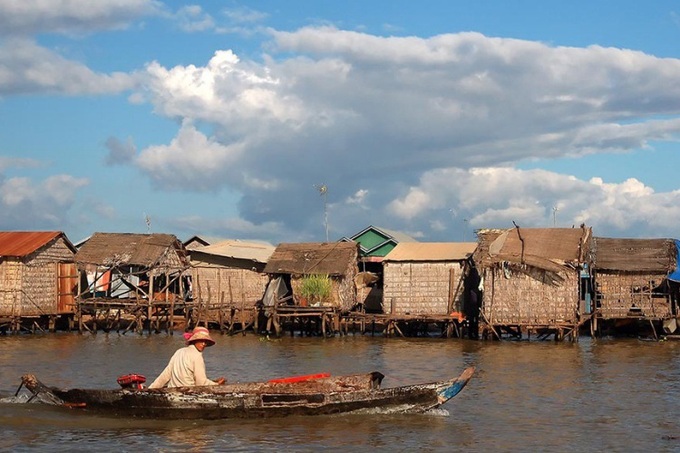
pixel 309 120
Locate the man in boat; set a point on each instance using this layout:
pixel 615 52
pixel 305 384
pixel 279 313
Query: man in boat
pixel 186 367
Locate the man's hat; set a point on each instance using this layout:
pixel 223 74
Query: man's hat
pixel 199 333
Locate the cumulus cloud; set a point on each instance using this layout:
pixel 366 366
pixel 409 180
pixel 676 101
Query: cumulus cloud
pixel 190 161
pixel 387 114
pixel 29 17
pixel 26 67
pixel 495 197
pixel 47 203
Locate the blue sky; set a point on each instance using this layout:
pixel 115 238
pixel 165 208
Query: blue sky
pixel 434 118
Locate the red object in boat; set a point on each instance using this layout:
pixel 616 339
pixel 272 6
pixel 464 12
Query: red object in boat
pixel 131 381
pixel 293 379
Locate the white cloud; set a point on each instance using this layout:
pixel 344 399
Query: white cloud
pixel 190 161
pixel 358 198
pixel 17 162
pixel 495 197
pixel 28 17
pixel 241 15
pixel 28 68
pixel 192 18
pixel 363 112
pixel 45 204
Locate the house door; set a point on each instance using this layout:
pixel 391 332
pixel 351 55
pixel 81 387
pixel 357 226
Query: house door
pixel 67 285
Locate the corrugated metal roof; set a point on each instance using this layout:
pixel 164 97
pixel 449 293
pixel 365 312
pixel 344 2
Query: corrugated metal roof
pixel 641 255
pixel 396 235
pixel 196 241
pixel 431 251
pixel 254 251
pixel 332 258
pixel 22 243
pixel 111 249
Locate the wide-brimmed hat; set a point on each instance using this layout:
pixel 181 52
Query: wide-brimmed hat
pixel 199 333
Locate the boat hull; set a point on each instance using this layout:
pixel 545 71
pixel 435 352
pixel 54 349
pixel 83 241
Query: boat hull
pixel 257 400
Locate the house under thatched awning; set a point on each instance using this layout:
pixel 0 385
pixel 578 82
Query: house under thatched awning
pixel 338 260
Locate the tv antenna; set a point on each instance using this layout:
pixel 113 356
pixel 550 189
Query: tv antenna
pixel 323 191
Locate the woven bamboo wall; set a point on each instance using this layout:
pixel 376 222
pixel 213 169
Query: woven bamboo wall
pixel 227 288
pixel 10 286
pixel 415 288
pixel 521 296
pixel 347 290
pixel 618 293
pixel 29 287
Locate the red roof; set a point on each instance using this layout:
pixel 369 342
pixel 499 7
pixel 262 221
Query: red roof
pixel 22 243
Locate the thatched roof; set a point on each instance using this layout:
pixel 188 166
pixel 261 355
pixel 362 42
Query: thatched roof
pixel 21 243
pixel 331 258
pixel 643 255
pixel 145 250
pixel 431 251
pixel 545 248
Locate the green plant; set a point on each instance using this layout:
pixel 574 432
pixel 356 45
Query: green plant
pixel 315 288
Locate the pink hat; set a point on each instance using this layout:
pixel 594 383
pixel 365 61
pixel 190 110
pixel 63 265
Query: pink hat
pixel 199 333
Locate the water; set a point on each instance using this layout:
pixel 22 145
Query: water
pixel 595 395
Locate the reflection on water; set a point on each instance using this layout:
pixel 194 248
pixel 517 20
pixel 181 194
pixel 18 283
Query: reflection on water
pixel 615 395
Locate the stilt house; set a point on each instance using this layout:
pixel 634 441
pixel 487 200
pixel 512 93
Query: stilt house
pixel 337 260
pixel 631 278
pixel 132 266
pixel 37 274
pixel 532 277
pixel 228 278
pixel 425 278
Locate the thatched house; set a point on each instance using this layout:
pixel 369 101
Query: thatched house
pixel 631 277
pixel 425 278
pixel 132 266
pixel 337 260
pixel 531 277
pixel 229 274
pixel 37 274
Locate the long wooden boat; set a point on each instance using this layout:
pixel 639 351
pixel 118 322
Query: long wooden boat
pixel 317 396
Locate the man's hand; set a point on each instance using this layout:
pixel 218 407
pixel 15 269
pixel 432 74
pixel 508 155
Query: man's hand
pixel 221 381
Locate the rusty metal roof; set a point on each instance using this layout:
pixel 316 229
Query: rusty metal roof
pixel 331 258
pixel 233 248
pixel 113 249
pixel 642 255
pixel 22 243
pixel 431 251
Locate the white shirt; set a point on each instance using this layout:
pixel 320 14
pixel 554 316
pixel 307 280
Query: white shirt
pixel 186 368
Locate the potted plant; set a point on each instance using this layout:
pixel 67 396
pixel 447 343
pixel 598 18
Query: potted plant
pixel 314 289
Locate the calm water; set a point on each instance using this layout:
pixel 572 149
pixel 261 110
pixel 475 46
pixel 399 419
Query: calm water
pixel 596 395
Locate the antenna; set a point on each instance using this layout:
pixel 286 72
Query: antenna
pixel 147 219
pixel 323 191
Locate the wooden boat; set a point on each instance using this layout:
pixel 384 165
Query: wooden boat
pixel 314 396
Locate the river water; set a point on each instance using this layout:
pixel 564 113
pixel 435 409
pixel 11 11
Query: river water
pixel 594 395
